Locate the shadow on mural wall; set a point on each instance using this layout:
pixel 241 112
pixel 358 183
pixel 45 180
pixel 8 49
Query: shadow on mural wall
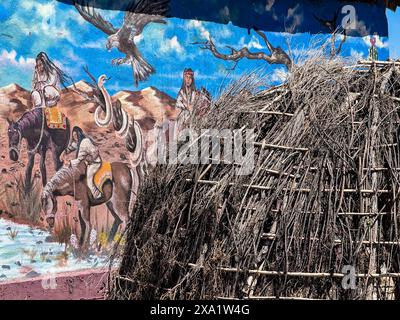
pixel 359 18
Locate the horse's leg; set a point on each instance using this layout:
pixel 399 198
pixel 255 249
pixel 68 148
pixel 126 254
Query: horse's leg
pixel 43 171
pixel 83 227
pixel 84 218
pixel 125 187
pixel 116 224
pixel 28 173
pixel 56 153
pixel 120 202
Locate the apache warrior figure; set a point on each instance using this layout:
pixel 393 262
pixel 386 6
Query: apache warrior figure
pixel 187 94
pixel 87 151
pixel 44 127
pixel 46 82
pixel 190 100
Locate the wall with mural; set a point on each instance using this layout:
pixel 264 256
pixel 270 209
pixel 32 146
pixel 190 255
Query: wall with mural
pixel 86 86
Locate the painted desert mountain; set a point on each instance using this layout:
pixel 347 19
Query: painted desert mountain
pixel 148 106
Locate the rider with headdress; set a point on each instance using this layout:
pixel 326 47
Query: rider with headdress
pixel 191 101
pixel 187 94
pixel 46 82
pixel 87 151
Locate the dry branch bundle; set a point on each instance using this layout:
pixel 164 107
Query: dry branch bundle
pixel 342 125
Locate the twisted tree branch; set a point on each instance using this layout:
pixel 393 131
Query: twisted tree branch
pixel 277 54
pixel 339 49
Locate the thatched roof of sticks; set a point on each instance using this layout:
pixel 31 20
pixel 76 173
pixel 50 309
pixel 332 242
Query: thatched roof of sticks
pixel 323 197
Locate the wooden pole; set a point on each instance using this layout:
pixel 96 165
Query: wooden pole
pixel 373 162
pixel 305 190
pixel 272 236
pixel 300 274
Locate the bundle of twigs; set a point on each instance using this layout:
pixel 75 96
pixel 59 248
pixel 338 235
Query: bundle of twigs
pixel 323 195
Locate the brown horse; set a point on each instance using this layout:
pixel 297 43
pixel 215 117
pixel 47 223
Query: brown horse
pixel 119 195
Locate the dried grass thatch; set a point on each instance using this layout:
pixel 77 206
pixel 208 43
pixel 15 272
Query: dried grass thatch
pixel 324 194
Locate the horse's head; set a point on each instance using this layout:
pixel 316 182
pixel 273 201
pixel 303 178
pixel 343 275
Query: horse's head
pixel 65 181
pixel 14 140
pixel 49 207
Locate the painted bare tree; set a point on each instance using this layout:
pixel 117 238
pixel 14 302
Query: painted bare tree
pixel 334 29
pixel 276 54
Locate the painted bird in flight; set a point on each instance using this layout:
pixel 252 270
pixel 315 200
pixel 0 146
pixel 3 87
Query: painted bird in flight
pixel 138 14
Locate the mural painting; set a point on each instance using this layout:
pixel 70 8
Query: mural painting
pixel 88 89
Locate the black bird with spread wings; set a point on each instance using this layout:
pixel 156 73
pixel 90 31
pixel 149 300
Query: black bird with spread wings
pixel 138 14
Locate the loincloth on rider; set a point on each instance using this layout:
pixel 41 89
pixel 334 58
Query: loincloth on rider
pixel 103 175
pixel 55 119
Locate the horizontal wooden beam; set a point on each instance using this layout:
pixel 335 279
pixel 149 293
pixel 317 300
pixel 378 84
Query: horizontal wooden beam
pixel 362 214
pixel 348 169
pixel 304 190
pixel 268 298
pixel 378 63
pixel 339 213
pixel 311 169
pixel 300 274
pixel 281 298
pixel 271 236
pixel 274 146
pixel 272 113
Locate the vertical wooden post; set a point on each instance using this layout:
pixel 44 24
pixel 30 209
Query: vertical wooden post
pixel 373 163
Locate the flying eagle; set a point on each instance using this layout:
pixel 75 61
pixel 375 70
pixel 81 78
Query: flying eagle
pixel 138 14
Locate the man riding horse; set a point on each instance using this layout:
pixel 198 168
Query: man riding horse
pixel 92 182
pixel 88 152
pixel 46 94
pixel 44 127
pixel 46 80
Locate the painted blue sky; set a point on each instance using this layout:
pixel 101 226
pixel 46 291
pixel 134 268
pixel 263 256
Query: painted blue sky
pixel 28 27
pixel 394 33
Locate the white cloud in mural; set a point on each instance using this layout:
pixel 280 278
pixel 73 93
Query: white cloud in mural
pixel 171 46
pixel 46 10
pixel 201 76
pixel 225 32
pixel 74 16
pixel 70 55
pixel 205 31
pixel 253 43
pixel 27 4
pixel 98 44
pixel 194 24
pixel 10 58
pixel 41 19
pixel 379 43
